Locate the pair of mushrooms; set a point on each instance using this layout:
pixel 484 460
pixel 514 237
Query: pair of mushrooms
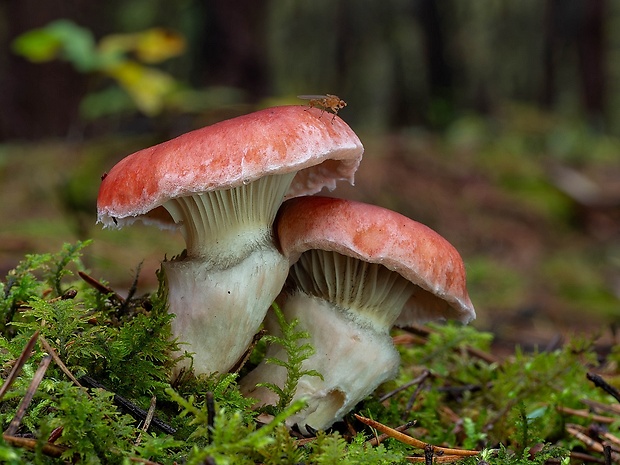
pixel 350 271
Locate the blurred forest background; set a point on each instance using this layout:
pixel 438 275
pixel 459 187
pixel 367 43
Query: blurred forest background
pixel 497 123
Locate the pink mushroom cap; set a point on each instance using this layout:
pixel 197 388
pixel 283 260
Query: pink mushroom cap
pixel 378 235
pixel 278 140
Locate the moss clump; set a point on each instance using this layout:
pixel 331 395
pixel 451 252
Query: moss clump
pixel 451 389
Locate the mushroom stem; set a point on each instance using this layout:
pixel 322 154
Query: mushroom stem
pixel 219 310
pixel 353 360
pixel 347 307
pixel 232 271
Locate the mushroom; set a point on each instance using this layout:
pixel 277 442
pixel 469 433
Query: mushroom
pixel 222 186
pixel 357 270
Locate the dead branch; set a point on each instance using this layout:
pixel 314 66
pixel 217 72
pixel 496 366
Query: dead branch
pixel 411 441
pixel 23 358
pixel 34 385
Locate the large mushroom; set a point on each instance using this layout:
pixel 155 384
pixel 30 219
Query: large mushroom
pixel 357 270
pixel 222 186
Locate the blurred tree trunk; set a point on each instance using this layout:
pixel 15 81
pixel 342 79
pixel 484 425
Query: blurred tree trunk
pixel 233 50
pixel 439 75
pixel 439 72
pixel 592 58
pixel 578 24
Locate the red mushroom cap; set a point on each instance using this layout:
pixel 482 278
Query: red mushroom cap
pixel 377 235
pixel 228 154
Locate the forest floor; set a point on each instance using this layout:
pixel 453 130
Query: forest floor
pixel 531 203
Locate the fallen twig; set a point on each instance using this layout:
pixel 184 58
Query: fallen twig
pixel 67 295
pixel 601 407
pixel 50 350
pixel 586 414
pixel 607 454
pixel 578 432
pixel 246 356
pixel 585 458
pixel 412 337
pixel 34 385
pixel 49 449
pixel 414 396
pixel 613 440
pixel 101 287
pixel 129 406
pixel 430 457
pixel 149 418
pixel 210 401
pixel 379 439
pixel 131 292
pixel 599 382
pixel 417 380
pixel 304 441
pixel 144 461
pixel 23 358
pixel 411 441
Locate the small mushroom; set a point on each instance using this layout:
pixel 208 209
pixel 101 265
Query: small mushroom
pixel 222 186
pixel 357 270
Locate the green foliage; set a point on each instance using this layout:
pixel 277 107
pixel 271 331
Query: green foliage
pixel 296 354
pixel 532 386
pixel 231 439
pixel 85 330
pixel 127 352
pixel 126 60
pixel 92 425
pixel 148 87
pixel 333 448
pixel 508 407
pixel 504 456
pixel 514 403
pixel 35 275
pixel 283 450
pixel 59 322
pixel 10 455
pixel 59 38
pixel 223 390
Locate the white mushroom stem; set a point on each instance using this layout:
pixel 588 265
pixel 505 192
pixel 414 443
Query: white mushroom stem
pixel 222 287
pixel 348 307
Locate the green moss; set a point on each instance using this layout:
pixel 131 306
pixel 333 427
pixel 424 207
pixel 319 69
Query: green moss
pixel 494 284
pixel 296 354
pixel 507 408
